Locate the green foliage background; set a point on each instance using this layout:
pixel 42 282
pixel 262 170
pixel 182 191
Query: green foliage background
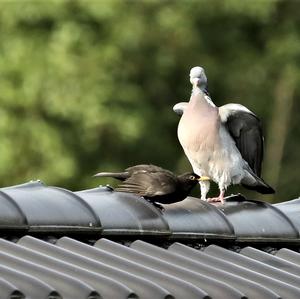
pixel 88 86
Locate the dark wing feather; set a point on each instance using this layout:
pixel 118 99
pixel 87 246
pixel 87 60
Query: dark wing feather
pixel 149 184
pixel 146 168
pixel 245 128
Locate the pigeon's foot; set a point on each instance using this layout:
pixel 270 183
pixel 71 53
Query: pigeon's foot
pixel 215 199
pixel 220 198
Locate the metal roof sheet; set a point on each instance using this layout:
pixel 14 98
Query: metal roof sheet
pixel 11 216
pixel 193 218
pixel 82 260
pixel 47 265
pixel 289 255
pixel 48 208
pixel 36 208
pixel 73 269
pixel 292 210
pixel 122 213
pixel 9 290
pixel 253 219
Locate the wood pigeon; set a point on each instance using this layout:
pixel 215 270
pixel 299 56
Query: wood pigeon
pixel 223 143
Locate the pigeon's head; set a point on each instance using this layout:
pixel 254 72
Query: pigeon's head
pixel 189 180
pixel 198 77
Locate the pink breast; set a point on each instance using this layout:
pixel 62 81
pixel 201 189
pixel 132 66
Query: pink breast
pixel 198 127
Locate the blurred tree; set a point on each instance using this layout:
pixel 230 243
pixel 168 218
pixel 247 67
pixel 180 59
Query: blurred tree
pixel 89 85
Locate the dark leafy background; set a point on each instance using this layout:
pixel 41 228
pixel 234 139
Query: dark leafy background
pixel 88 86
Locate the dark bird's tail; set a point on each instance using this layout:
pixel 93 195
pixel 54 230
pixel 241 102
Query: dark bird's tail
pixel 117 175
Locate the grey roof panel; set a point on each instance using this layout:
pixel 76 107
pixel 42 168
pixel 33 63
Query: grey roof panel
pixel 289 255
pixel 252 284
pixel 271 260
pixel 9 291
pixel 79 259
pixel 51 208
pixel 258 221
pixel 177 287
pixel 111 270
pixel 12 217
pixel 290 287
pixel 35 208
pixel 156 261
pixel 32 286
pixel 106 287
pixel 292 210
pixel 68 268
pixel 67 286
pixel 245 286
pixel 122 213
pixel 193 217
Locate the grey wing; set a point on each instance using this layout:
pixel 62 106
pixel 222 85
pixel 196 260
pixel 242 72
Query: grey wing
pixel 245 128
pixel 180 107
pixel 148 184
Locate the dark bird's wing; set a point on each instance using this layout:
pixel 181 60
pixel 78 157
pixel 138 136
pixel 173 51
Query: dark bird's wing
pixel 245 128
pixel 142 168
pixel 146 168
pixel 149 184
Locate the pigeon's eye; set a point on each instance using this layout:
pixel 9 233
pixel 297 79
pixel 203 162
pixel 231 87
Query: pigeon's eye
pixel 192 177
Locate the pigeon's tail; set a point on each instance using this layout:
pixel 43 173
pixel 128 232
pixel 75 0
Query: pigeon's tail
pixel 117 175
pixel 262 188
pixel 253 182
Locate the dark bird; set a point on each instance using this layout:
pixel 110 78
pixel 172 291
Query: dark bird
pixel 224 143
pixel 154 183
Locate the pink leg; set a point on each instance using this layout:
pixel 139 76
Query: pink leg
pixel 220 198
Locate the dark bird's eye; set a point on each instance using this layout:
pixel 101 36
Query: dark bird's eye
pixel 192 177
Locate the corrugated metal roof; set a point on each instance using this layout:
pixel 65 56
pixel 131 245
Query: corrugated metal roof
pixel 73 269
pixel 103 244
pixel 36 208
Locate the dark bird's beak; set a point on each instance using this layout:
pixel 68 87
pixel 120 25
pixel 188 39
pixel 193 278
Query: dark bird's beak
pixel 204 178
